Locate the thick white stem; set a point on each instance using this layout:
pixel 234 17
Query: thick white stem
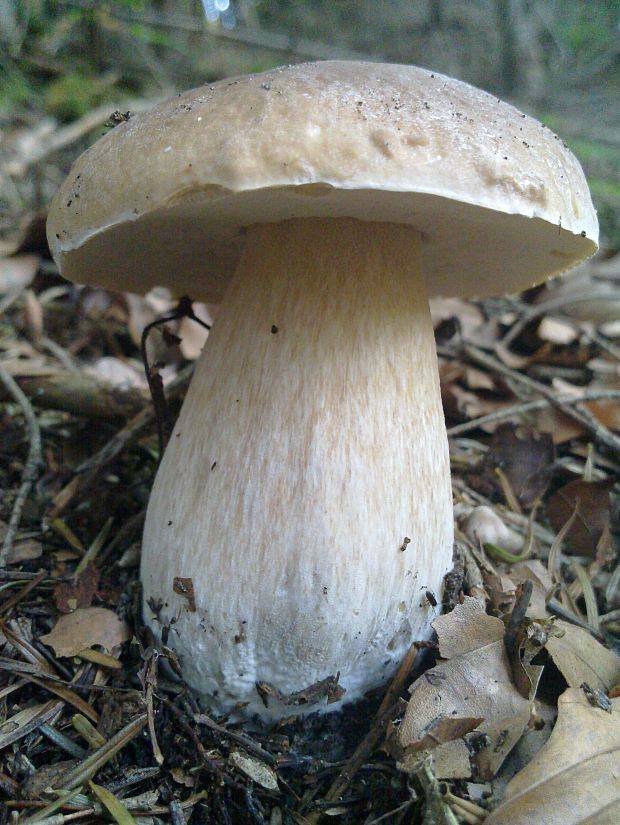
pixel 310 447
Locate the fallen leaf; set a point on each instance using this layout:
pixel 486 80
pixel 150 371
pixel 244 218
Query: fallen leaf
pixel 535 571
pixel 502 587
pixel 560 427
pixel 475 683
pixel 466 628
pixel 593 513
pixel 257 771
pixel 84 628
pixel 182 777
pixel 25 550
pixel 69 596
pixel 464 405
pixel 581 658
pixel 483 526
pixel 467 315
pixel 443 731
pixel 524 456
pixel 575 777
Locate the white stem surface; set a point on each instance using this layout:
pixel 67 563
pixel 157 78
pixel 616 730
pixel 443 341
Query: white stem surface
pixel 310 447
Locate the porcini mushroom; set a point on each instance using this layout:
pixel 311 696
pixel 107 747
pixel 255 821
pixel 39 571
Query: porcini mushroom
pixel 302 508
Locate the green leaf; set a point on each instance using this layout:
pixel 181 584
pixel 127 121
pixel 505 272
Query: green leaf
pixel 115 807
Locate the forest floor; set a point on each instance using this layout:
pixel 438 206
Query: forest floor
pixel 94 708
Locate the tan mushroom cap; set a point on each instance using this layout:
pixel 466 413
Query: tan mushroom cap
pixel 164 198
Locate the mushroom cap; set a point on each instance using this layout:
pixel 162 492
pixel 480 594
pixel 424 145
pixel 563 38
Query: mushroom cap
pixel 163 198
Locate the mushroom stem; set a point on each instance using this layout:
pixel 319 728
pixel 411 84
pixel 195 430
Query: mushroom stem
pixel 310 447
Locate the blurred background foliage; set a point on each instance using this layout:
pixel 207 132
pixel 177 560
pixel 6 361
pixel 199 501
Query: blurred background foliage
pixel 65 62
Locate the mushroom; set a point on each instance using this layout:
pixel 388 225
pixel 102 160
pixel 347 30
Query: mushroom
pixel 302 509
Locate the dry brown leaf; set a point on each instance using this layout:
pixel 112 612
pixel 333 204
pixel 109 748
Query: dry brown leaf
pixel 524 456
pixel 560 427
pixel 580 658
pixel 478 380
pixel 183 777
pixel 535 571
pixel 468 315
pixel 84 628
pixel 575 778
pixel 25 550
pixel 461 404
pixel 502 587
pixel 465 629
pixel 593 513
pixel 476 683
pixel 71 595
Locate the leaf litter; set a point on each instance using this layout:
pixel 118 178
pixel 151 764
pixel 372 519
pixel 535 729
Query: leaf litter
pixel 515 378
pixel 575 777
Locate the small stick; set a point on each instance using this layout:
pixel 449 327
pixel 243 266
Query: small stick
pixel 209 763
pixel 559 303
pixel 32 467
pixel 578 413
pixel 373 737
pixel 517 617
pixel 184 310
pixel 10 603
pixel 176 813
pixel 248 744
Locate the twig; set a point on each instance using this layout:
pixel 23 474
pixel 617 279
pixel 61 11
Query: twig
pixel 176 813
pixel 248 744
pixel 66 135
pixel 558 609
pixel 391 813
pixel 80 395
pixel 583 416
pixel 209 763
pixel 517 617
pixel 10 603
pixel 34 462
pixel 151 681
pixel 530 406
pixel 559 303
pixel 184 310
pixel 374 735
